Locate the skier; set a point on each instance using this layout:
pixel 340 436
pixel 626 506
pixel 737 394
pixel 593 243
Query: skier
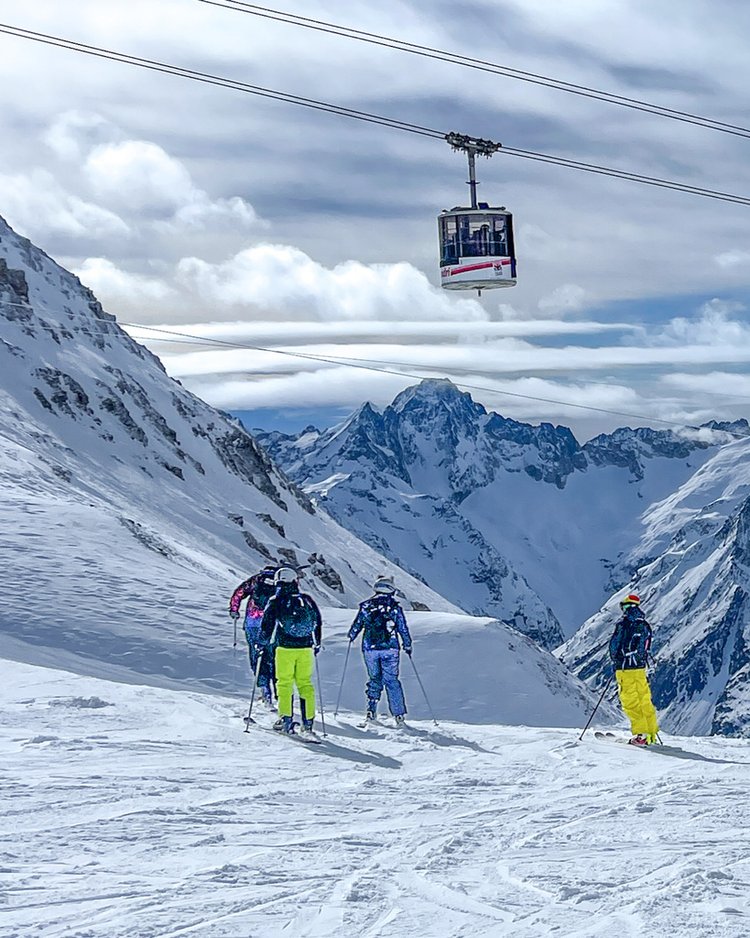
pixel 628 649
pixel 291 621
pixel 258 589
pixel 383 621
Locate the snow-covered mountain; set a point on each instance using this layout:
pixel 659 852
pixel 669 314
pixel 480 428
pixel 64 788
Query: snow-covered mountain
pixel 129 510
pixel 129 507
pixel 507 519
pixel 693 575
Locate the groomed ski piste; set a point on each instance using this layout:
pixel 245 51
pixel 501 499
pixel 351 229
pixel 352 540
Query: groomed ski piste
pixel 144 812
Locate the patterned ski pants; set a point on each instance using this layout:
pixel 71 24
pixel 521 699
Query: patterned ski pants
pixel 266 674
pixel 382 669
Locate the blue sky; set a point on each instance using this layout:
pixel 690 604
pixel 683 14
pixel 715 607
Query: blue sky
pixel 223 215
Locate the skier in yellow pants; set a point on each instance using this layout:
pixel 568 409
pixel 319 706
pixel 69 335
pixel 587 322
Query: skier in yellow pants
pixel 291 622
pixel 628 649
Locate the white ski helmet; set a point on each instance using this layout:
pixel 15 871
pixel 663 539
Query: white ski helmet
pixel 285 575
pixel 383 585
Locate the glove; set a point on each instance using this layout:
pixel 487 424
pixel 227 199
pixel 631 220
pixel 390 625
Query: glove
pixel 234 616
pixel 316 650
pixel 408 651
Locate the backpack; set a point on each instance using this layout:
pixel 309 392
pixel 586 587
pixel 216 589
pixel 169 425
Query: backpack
pixel 381 623
pixel 263 589
pixel 296 616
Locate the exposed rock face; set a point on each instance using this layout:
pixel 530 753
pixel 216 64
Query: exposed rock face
pixel 114 476
pixel 695 594
pixel 511 520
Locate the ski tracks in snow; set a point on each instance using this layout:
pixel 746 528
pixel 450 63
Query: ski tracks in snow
pixel 157 817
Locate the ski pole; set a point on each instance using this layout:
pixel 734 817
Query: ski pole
pixel 606 688
pixel 427 699
pixel 249 718
pixel 343 675
pixel 320 697
pixel 235 681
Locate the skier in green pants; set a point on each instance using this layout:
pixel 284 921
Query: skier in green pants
pixel 294 618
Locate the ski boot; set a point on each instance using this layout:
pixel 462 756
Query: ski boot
pixel 640 739
pixel 400 722
pixel 307 732
pixel 265 698
pixel 371 714
pixel 284 725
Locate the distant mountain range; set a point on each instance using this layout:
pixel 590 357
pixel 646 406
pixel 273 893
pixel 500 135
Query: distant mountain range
pixel 526 524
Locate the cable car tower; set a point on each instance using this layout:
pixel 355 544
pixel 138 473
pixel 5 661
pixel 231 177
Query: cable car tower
pixel 476 242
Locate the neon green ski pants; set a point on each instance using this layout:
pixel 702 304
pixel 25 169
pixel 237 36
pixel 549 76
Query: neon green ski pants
pixel 295 666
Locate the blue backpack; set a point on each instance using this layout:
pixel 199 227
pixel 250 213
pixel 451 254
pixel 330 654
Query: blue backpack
pixel 297 616
pixel 381 623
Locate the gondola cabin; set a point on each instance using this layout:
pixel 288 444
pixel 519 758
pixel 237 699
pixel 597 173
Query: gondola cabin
pixel 476 248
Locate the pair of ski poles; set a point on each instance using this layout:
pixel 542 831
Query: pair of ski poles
pixel 256 674
pixel 416 674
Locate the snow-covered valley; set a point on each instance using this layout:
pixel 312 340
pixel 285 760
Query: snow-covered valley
pixel 133 811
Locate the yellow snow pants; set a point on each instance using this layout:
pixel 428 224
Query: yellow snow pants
pixel 295 666
pixel 635 697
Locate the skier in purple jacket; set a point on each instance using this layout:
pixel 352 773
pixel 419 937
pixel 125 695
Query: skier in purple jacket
pixel 257 590
pixel 383 621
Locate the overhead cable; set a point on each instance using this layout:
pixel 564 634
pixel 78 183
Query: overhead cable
pixel 354 114
pixel 481 65
pixel 378 367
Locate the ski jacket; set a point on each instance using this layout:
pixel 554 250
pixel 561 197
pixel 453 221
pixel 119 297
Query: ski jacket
pixel 294 617
pixel 631 641
pixel 382 619
pixel 257 591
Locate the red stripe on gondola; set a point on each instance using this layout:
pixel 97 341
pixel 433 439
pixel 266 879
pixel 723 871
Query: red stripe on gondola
pixel 470 267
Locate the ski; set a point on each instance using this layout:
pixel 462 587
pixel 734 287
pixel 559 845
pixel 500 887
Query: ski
pixel 306 739
pixel 622 741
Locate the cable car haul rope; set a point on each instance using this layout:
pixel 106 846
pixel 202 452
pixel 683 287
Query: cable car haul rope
pixel 476 242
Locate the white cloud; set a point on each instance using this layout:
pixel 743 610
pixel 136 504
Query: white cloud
pixel 140 175
pixel 733 258
pixel 724 383
pixel 568 298
pixel 37 204
pixel 123 291
pixel 712 326
pixel 201 213
pixel 284 280
pixel 74 133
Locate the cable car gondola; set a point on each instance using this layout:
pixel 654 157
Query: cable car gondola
pixel 476 242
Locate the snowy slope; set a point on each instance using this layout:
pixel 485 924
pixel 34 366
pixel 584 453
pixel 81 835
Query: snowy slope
pixel 695 594
pixel 516 521
pixel 145 812
pixel 129 509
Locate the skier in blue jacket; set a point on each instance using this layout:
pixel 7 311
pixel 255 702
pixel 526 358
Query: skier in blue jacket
pixel 382 620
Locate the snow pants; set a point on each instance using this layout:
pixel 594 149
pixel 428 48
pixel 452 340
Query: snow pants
pixel 635 697
pixel 382 669
pixel 266 674
pixel 295 666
